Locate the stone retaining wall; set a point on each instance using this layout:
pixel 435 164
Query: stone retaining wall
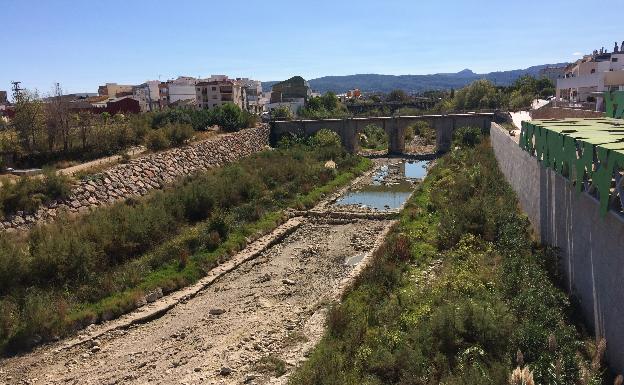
pixel 591 247
pixel 149 172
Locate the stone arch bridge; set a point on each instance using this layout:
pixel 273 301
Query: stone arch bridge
pixel 349 129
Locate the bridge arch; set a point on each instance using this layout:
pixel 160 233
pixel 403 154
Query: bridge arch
pixel 395 127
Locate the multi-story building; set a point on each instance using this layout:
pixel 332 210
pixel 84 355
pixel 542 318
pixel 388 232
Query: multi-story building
pixel 253 91
pixel 587 78
pixel 3 98
pixel 177 90
pixel 292 93
pixel 293 89
pixel 114 90
pixel 219 90
pixel 182 88
pixel 148 95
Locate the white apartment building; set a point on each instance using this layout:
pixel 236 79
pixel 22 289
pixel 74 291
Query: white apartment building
pixel 177 90
pixel 593 74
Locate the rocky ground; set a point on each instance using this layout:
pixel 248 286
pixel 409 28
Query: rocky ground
pixel 248 327
pixel 419 145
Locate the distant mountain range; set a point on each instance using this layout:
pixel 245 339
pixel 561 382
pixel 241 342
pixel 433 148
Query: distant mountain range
pixel 414 83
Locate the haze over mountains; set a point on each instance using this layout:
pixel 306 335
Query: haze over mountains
pixel 414 83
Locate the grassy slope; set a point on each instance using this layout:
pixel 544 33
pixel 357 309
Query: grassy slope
pixel 485 307
pixel 76 272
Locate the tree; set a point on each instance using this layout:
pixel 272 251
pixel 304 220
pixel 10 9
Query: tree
pixel 228 117
pixel 282 113
pixel 480 94
pixel 330 101
pixel 314 104
pixel 29 119
pixel 84 121
pixel 397 96
pixel 58 119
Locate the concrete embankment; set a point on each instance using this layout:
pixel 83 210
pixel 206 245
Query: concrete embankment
pixel 591 247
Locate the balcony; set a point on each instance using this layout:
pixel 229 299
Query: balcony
pixel 225 90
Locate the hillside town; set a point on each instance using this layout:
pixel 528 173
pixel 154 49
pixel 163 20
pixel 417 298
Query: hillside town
pixel 183 92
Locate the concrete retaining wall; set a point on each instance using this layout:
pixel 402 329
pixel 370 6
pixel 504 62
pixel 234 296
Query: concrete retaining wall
pixel 152 171
pixel 591 247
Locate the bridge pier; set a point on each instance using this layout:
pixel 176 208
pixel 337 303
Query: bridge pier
pixel 395 127
pixel 349 135
pixel 396 136
pixel 444 133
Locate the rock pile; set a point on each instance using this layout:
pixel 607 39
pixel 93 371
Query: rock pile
pixel 152 171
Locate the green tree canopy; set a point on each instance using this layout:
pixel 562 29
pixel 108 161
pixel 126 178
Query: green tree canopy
pixel 397 96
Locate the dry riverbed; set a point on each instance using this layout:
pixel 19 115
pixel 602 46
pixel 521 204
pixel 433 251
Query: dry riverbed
pixel 252 325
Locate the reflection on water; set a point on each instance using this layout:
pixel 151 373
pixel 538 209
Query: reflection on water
pixel 415 170
pixel 391 186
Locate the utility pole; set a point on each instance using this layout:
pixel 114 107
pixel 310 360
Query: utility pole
pixel 17 90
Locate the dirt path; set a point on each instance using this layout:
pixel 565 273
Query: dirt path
pixel 268 307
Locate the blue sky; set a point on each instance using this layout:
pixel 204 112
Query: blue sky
pixel 85 43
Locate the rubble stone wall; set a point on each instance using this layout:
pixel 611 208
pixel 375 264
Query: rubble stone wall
pixel 149 172
pixel 548 112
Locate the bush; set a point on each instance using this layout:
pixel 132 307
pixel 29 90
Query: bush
pixel 229 117
pixel 178 134
pixel 157 140
pixel 468 136
pixel 425 131
pixel 327 138
pixel 374 137
pixel 28 193
pixel 281 113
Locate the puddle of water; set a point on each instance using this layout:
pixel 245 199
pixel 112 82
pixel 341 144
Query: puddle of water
pixel 381 194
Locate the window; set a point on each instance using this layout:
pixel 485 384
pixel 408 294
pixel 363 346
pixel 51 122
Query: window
pixel 214 88
pixel 614 59
pixel 593 71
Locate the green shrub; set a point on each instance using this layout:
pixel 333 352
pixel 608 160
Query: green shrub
pixel 28 193
pixel 468 136
pixel 281 113
pixel 373 137
pixel 425 131
pixel 327 138
pixel 157 140
pixel 178 134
